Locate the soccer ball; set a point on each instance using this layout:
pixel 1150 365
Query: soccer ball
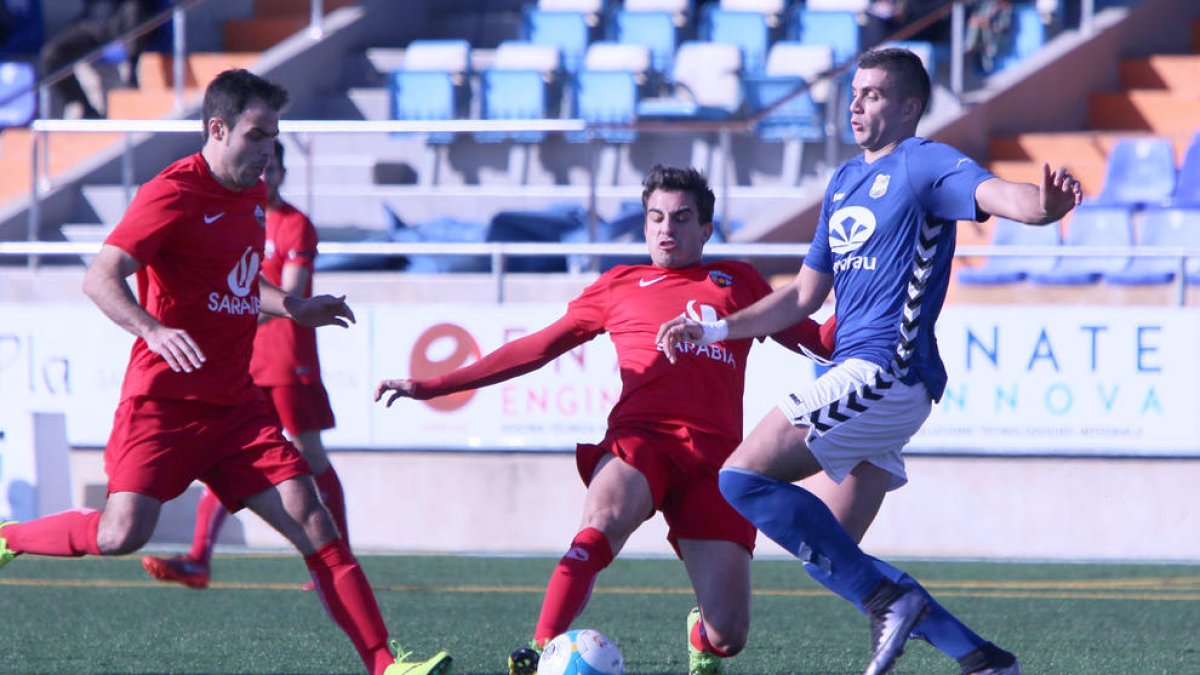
pixel 581 652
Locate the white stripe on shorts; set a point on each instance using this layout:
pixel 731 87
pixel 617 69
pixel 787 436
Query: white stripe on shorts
pixel 856 412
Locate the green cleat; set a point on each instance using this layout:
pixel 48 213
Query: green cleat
pixel 524 660
pixel 6 553
pixel 438 665
pixel 699 662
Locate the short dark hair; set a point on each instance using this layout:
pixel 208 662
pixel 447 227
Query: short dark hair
pixel 906 70
pixel 279 154
pixel 228 94
pixel 681 179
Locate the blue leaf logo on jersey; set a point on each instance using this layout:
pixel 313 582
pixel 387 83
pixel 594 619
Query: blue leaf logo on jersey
pixel 721 279
pixel 849 228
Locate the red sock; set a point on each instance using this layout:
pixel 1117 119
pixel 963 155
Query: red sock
pixel 67 534
pixel 210 515
pixel 699 640
pixel 329 487
pixel 571 583
pixel 347 596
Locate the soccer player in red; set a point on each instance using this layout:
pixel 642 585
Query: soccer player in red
pixel 669 431
pixel 285 365
pixel 189 409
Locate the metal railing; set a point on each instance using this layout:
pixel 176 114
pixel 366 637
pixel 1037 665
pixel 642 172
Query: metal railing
pixel 500 252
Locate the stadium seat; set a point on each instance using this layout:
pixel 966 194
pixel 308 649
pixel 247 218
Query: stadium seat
pixel 27 33
pixel 423 95
pixel 747 30
pixel 566 30
pixel 627 58
pixel 680 11
pixel 707 79
pixel 512 95
pixel 1162 227
pixel 1104 226
pixel 18 95
pixel 772 10
pixel 1029 35
pixel 799 118
pixel 811 62
pixel 1140 172
pixel 837 30
pixel 605 97
pixel 447 56
pixel 549 225
pixel 838 5
pixel 654 30
pixel 590 9
pixel 1004 269
pixel 1187 184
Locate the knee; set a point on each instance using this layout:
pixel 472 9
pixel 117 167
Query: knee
pixel 121 539
pixel 728 637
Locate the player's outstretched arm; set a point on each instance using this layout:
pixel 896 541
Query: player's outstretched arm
pixel 104 283
pixel 1046 202
pixel 314 312
pixel 523 355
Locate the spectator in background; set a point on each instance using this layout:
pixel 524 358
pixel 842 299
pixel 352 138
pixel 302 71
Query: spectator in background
pixel 100 22
pixel 989 31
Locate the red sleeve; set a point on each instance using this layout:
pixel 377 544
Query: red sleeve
pixel 301 241
pixel 518 357
pixel 812 336
pixel 146 223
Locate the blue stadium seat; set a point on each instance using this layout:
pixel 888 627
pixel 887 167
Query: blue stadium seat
pixel 512 95
pixel 838 30
pixel 1105 226
pixel 423 95
pixel 27 33
pixel 1162 227
pixel 1011 269
pixel 1140 172
pixel 655 30
pixel 799 118
pixel 606 97
pixel 547 225
pixel 1029 35
pixel 18 97
pixel 1187 185
pixel 566 30
pixel 707 82
pixel 747 30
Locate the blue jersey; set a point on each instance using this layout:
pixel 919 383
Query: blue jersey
pixel 886 234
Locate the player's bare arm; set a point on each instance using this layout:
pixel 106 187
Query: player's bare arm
pixel 784 307
pixel 293 281
pixel 1047 202
pixel 314 312
pixel 104 283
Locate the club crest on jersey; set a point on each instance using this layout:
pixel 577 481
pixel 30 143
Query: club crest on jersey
pixel 879 187
pixel 260 215
pixel 721 279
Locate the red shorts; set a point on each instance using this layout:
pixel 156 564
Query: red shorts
pixel 301 407
pixel 681 467
pixel 159 446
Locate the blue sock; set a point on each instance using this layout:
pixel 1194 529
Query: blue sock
pixel 798 521
pixel 939 627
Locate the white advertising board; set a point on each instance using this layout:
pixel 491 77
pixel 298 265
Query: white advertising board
pixel 1036 380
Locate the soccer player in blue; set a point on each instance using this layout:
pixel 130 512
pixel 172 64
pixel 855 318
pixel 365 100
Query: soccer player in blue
pixel 884 244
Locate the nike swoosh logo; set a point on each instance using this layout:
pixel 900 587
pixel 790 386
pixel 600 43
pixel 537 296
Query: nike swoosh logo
pixel 647 282
pixel 838 196
pixel 209 220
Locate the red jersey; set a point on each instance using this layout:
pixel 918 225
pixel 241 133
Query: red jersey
pixel 702 391
pixel 199 244
pixel 285 352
